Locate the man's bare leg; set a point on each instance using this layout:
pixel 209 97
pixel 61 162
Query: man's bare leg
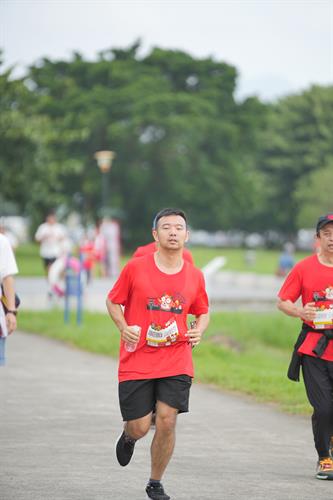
pixel 164 439
pixel 139 427
pixel 133 430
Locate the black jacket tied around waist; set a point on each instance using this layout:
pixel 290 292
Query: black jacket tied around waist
pixel 296 359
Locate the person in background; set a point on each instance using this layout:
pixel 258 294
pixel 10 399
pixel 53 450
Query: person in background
pixel 157 292
pixel 311 279
pixel 100 248
pixel 110 229
pixel 51 235
pixel 152 247
pixel 86 249
pixel 8 269
pixel 286 260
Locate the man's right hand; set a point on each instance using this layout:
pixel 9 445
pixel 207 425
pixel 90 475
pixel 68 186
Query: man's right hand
pixel 308 312
pixel 130 334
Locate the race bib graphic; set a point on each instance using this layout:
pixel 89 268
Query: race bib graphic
pixel 162 335
pixel 163 329
pixel 324 305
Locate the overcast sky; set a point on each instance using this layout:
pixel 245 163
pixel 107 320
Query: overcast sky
pixel 278 46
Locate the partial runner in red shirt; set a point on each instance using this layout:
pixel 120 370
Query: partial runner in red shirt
pixel 152 247
pixel 150 304
pixel 311 280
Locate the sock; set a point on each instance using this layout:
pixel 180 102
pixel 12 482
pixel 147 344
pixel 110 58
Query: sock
pixel 129 438
pixel 154 482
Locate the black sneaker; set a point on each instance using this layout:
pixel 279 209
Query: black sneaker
pixel 156 492
pixel 124 449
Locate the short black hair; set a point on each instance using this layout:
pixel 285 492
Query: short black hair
pixel 165 212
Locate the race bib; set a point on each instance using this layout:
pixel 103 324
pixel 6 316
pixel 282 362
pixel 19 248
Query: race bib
pixel 162 336
pixel 324 318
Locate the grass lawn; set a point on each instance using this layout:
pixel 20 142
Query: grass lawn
pixel 266 261
pixel 244 352
pixel 30 263
pixel 28 260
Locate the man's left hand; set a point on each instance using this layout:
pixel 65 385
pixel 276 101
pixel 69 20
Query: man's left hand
pixel 194 336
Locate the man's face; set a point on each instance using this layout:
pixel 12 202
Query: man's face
pixel 326 238
pixel 171 232
pixel 51 219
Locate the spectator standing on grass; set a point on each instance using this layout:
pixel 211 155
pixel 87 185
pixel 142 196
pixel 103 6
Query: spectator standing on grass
pixel 311 279
pixel 8 268
pixel 157 292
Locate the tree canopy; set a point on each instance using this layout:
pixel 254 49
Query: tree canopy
pixel 180 137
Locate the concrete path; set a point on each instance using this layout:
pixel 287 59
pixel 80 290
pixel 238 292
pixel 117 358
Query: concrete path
pixel 59 421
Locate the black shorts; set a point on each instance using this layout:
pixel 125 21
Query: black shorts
pixel 48 261
pixel 137 398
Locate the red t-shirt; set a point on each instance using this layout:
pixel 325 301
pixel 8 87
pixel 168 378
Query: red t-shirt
pixel 152 247
pixel 159 303
pixel 310 280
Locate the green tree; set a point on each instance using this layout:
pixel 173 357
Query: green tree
pixel 16 145
pixel 297 155
pixel 29 174
pixel 180 137
pixel 314 196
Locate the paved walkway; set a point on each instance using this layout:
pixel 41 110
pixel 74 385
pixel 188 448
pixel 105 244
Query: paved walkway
pixel 59 421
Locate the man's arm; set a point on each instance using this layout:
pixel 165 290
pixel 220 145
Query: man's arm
pixel 194 334
pixel 117 315
pixel 9 291
pixel 305 313
pixel 40 234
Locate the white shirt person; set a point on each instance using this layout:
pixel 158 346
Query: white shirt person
pixel 51 236
pixel 8 268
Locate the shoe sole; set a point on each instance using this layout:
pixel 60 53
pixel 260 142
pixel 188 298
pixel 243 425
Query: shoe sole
pixel 149 498
pixel 325 478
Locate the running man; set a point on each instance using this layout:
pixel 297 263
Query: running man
pixel 312 280
pixel 157 292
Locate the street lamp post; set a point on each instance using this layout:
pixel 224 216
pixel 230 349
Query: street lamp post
pixel 104 161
